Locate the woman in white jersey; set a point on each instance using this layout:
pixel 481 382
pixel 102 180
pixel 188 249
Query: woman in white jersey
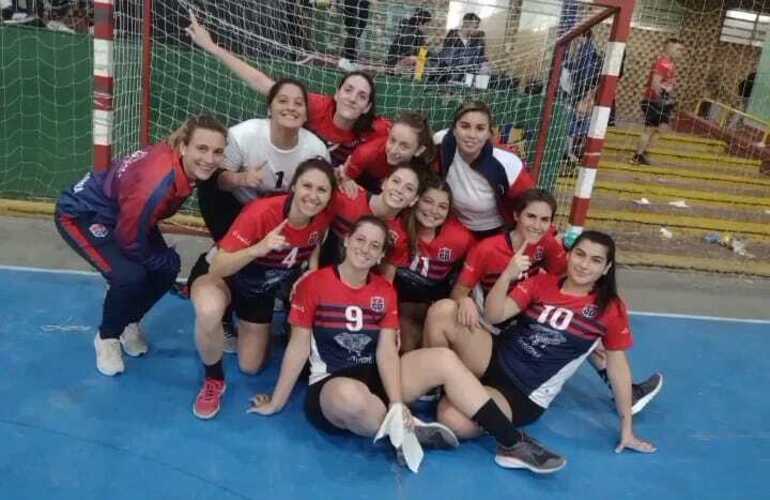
pixel 485 180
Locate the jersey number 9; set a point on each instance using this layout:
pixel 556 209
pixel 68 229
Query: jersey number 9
pixel 355 318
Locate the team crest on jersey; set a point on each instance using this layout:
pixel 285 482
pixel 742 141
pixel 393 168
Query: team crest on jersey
pixel 590 311
pixel 98 230
pixel 445 254
pixel 314 238
pixel 377 304
pixel 539 253
pixel 393 236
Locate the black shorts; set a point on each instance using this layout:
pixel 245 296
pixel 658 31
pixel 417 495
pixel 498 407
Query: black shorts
pixel 525 411
pixel 332 250
pixel 218 208
pixel 368 374
pixel 412 287
pixel 656 112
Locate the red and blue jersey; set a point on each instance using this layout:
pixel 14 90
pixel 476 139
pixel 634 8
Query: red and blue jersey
pixel 554 333
pixel 345 321
pixel 348 210
pixel 131 197
pixel 489 258
pixel 434 260
pixel 341 143
pixel 254 222
pixel 370 159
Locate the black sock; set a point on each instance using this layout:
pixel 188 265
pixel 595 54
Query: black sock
pixel 108 335
pixel 214 371
pixel 494 421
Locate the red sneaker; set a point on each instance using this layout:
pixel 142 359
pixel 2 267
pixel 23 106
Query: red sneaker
pixel 209 399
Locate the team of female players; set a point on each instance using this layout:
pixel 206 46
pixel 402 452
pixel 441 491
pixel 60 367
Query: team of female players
pixel 392 248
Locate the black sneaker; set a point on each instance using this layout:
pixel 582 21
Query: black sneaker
pixel 435 435
pixel 645 392
pixel 527 453
pixel 640 159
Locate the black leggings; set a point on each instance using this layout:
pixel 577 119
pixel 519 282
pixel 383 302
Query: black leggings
pixel 355 14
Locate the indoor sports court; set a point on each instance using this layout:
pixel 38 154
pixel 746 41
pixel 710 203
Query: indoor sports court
pixel 69 432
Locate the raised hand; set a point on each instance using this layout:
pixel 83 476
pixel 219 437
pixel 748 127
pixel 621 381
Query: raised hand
pixel 519 263
pixel 274 241
pixel 198 34
pixel 253 177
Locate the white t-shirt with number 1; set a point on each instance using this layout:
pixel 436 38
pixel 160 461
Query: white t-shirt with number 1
pixel 249 145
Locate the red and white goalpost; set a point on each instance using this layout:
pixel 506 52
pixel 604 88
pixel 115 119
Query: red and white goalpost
pixel 147 78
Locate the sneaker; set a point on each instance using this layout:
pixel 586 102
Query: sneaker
pixel 109 358
pixel 209 399
pixel 435 435
pixel 231 337
pixel 640 159
pixel 527 453
pixel 347 65
pixel 133 341
pixel 645 392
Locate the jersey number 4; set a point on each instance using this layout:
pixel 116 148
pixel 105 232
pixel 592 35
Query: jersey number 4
pixel 557 317
pixel 291 257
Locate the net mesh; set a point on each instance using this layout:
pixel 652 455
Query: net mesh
pixel 45 129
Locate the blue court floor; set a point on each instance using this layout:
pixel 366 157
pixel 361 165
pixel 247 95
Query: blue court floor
pixel 67 432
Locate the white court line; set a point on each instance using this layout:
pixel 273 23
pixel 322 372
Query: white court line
pixel 633 313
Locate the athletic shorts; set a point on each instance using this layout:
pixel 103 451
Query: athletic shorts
pixel 412 287
pixel 656 112
pixel 368 374
pixel 255 289
pixel 525 411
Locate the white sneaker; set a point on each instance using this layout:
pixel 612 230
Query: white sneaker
pixel 347 65
pixel 109 358
pixel 133 340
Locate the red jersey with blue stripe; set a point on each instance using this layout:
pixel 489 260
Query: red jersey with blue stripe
pixel 370 159
pixel 345 321
pixel 348 210
pixel 341 143
pixel 434 260
pixel 554 333
pixel 254 222
pixel 489 258
pixel 131 197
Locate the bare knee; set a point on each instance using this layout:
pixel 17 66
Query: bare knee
pixel 346 399
pixel 439 320
pixel 251 366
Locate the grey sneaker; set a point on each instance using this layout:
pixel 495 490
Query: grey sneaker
pixel 645 392
pixel 435 435
pixel 527 453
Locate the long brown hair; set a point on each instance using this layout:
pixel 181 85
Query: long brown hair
pixel 184 133
pixel 419 123
pixel 429 181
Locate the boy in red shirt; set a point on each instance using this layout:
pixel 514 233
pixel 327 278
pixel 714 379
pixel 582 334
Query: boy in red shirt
pixel 658 101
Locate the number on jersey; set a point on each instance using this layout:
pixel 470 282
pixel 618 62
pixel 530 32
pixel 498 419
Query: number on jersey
pixel 355 318
pixel 420 265
pixel 557 317
pixel 291 258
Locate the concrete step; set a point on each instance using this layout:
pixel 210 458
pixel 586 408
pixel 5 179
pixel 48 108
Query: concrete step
pixel 629 141
pixel 668 156
pixel 741 175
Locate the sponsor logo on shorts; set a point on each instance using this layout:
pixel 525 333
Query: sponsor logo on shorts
pixel 99 230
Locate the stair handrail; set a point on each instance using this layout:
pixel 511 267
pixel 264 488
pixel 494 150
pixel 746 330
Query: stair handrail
pixel 734 111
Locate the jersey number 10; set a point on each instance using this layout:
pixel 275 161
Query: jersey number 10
pixel 557 317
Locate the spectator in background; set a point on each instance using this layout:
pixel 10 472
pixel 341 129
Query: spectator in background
pixel 408 40
pixel 659 99
pixel 745 88
pixel 584 65
pixel 355 14
pixel 464 50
